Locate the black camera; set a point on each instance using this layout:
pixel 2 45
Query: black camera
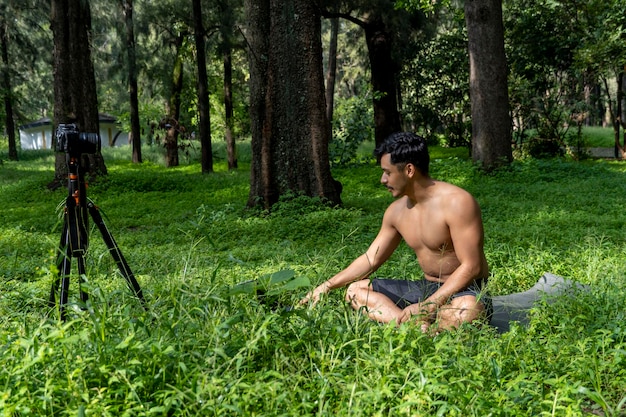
pixel 73 142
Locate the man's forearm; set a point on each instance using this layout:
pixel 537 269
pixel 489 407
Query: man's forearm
pixel 360 268
pixel 457 281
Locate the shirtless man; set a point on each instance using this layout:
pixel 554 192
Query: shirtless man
pixel 442 224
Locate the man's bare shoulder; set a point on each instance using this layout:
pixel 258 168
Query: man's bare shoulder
pixel 455 199
pixel 395 209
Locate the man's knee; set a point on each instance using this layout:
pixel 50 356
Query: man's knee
pixel 461 310
pixel 355 291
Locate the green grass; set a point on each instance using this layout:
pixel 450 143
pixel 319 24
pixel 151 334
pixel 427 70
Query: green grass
pixel 601 137
pixel 203 348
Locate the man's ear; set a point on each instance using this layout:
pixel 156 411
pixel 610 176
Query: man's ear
pixel 410 170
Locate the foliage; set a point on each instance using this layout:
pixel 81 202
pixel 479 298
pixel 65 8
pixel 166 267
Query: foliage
pixel 208 346
pixel 557 47
pixel 352 126
pixel 559 66
pixel 436 81
pixel 29 51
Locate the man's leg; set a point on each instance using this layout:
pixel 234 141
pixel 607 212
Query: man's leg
pixel 460 310
pixel 378 306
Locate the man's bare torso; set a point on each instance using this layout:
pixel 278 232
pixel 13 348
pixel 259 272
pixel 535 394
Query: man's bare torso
pixel 424 227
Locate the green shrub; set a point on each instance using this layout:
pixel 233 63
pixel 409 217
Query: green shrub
pixel 352 126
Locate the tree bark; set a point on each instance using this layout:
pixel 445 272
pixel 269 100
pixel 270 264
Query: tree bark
pixel 6 86
pixel 619 120
pixel 383 75
pixel 226 30
pixel 204 121
pixel 290 131
pixel 171 122
pixel 75 98
pixel 135 128
pixel 331 72
pixel 614 115
pixel 231 147
pixel 491 121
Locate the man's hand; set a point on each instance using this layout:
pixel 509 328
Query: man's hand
pixel 423 313
pixel 313 297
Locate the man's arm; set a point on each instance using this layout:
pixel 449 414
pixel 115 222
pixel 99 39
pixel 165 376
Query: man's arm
pixel 464 220
pixel 379 251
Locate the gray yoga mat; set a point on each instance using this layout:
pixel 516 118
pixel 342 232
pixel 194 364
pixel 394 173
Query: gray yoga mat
pixel 514 307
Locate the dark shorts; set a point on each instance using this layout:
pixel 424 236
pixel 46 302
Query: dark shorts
pixel 406 292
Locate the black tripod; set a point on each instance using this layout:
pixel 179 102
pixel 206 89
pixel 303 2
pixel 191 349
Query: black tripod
pixel 75 239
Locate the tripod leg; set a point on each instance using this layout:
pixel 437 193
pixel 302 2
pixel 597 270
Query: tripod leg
pixel 116 253
pixel 64 264
pixel 65 287
pixel 61 259
pixel 81 274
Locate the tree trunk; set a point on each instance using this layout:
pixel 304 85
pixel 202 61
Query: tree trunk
pixel 621 109
pixel 135 128
pixel 383 75
pixel 290 131
pixel 491 121
pixel 331 72
pixel 75 98
pixel 7 89
pixel 204 119
pixel 614 115
pixel 620 150
pixel 621 97
pixel 171 123
pixel 226 29
pixel 231 147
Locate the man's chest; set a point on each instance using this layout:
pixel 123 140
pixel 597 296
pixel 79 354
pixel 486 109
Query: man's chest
pixel 425 230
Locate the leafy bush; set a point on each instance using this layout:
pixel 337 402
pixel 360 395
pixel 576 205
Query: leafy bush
pixel 352 125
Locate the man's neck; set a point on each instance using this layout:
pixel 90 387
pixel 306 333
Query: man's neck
pixel 421 189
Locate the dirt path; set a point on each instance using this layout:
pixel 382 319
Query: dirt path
pixel 602 152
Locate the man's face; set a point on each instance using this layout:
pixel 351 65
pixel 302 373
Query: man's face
pixel 393 178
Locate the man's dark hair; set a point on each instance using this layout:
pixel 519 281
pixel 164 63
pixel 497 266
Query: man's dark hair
pixel 404 148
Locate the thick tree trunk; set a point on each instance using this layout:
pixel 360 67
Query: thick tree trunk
pixel 203 91
pixel 383 75
pixel 75 98
pixel 258 29
pixel 6 86
pixel 331 71
pixel 491 121
pixel 290 131
pixel 171 123
pixel 135 128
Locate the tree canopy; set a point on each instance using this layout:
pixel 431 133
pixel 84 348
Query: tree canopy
pixel 564 60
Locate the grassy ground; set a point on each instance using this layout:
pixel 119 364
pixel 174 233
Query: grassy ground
pixel 208 347
pixel 602 137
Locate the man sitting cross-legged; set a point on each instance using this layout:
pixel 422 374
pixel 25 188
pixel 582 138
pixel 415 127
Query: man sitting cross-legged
pixel 442 224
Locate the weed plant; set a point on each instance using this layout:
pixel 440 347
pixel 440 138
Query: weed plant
pixel 208 346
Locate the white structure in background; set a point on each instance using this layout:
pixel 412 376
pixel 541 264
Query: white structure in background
pixel 38 134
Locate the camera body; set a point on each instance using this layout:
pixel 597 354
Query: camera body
pixel 70 140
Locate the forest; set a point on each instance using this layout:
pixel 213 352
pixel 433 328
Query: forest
pixel 223 260
pixel 387 66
